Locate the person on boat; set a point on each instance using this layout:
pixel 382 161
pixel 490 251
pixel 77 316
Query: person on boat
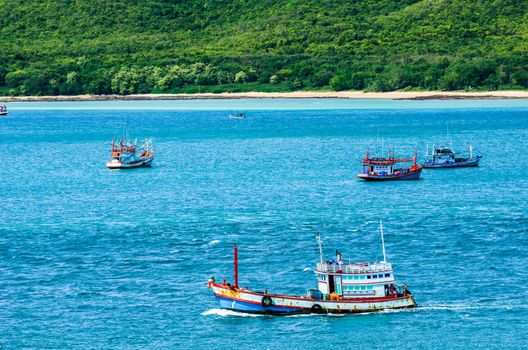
pixel 334 297
pixel 406 291
pixel 392 289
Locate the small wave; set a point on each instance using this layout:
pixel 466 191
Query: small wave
pixel 213 242
pixel 224 313
pixel 464 307
pixel 307 269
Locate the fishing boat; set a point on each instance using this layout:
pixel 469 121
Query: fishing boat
pixel 3 110
pixel 341 288
pixel 237 115
pixel 383 169
pixel 127 154
pixel 445 157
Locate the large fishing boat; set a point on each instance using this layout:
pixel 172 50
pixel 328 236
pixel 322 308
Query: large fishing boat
pixel 445 157
pixel 342 288
pixel 383 169
pixel 127 154
pixel 3 110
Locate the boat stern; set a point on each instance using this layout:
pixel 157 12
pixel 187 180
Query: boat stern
pixel 114 164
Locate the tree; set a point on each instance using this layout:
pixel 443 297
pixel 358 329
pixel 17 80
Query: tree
pixel 274 79
pixel 241 77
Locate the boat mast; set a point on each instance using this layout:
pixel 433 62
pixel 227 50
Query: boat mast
pixel 320 247
pixel 470 152
pixel 382 242
pixel 235 252
pixel 448 138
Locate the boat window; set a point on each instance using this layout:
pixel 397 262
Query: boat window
pixel 380 276
pixel 370 287
pixel 356 277
pixel 369 277
pixel 363 287
pixel 374 276
pixel 387 275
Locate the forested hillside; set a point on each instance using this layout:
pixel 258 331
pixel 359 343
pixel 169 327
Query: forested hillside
pixel 139 46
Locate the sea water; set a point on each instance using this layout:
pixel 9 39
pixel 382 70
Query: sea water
pixel 95 258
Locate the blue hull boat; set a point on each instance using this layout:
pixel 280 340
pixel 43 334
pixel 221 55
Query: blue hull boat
pixel 456 163
pixel 445 157
pixel 342 288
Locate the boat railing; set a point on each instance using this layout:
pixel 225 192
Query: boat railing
pixel 354 268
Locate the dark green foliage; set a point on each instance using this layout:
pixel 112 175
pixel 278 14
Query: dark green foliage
pixel 131 46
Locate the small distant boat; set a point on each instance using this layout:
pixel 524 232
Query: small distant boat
pixel 342 288
pixel 3 110
pixel 384 169
pixel 237 115
pixel 445 157
pixel 127 155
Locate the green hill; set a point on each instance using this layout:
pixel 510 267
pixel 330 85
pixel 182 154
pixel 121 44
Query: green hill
pixel 142 46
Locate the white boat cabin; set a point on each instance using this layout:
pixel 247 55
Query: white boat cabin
pixel 441 155
pixel 355 280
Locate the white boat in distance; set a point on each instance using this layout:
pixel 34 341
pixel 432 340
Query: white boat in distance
pixel 127 155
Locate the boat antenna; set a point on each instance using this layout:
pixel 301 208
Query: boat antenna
pixel 470 152
pixel 449 138
pixel 320 246
pixel 382 242
pixel 235 265
pixel 382 144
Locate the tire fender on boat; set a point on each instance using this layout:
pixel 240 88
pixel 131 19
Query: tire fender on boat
pixel 266 301
pixel 317 309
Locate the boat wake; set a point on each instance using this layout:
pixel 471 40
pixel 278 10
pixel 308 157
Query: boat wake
pixel 464 307
pixel 213 242
pixel 225 313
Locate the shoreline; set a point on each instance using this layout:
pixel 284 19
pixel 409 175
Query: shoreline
pixel 394 95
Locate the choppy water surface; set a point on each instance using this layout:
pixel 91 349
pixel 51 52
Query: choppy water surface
pixel 93 258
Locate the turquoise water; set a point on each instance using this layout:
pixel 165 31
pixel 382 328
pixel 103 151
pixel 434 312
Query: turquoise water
pixel 93 258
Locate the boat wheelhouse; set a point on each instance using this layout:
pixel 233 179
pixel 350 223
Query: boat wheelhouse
pixel 342 287
pixel 445 157
pixel 382 169
pixel 3 110
pixel 127 154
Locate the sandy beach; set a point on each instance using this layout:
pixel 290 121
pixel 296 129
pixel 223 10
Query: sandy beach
pixel 405 95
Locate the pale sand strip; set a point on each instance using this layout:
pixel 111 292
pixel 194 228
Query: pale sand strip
pixel 440 95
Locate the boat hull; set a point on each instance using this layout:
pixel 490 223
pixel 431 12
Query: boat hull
pixel 410 175
pixel 252 302
pixel 142 163
pixel 459 164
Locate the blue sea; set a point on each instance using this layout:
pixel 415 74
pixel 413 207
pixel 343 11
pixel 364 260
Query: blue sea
pixel 97 259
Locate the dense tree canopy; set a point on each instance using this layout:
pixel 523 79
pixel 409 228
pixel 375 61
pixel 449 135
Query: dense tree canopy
pixel 141 46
